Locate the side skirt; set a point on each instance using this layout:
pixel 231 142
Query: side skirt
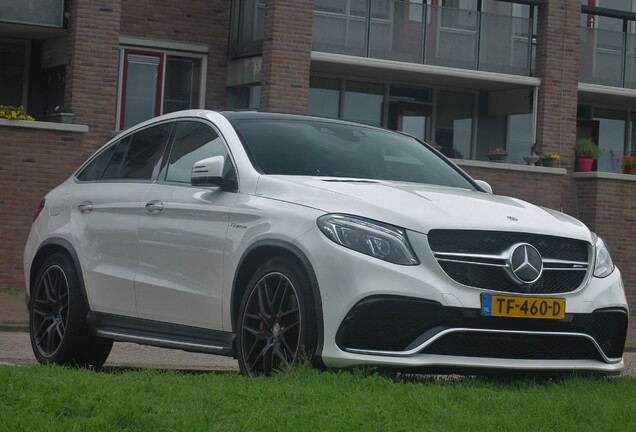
pixel 155 333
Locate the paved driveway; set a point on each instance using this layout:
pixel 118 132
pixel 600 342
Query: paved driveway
pixel 15 348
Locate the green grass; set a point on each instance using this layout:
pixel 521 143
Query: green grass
pixel 10 290
pixel 54 398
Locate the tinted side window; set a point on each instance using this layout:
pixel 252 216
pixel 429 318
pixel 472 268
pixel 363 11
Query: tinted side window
pixel 136 157
pixel 194 141
pixel 93 171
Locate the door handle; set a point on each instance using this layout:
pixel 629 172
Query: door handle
pixel 85 207
pixel 154 206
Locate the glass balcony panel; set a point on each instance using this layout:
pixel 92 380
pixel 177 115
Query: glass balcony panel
pixel 630 62
pixel 399 37
pixel 48 13
pixel 602 53
pixel 504 44
pixel 340 34
pixel 416 33
pixel 451 38
pixel 335 6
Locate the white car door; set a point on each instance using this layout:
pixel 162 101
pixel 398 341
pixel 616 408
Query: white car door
pixel 182 235
pixel 105 217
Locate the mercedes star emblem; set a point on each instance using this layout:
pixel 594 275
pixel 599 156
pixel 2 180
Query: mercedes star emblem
pixel 525 263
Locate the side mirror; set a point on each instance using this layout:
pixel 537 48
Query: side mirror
pixel 484 185
pixel 210 172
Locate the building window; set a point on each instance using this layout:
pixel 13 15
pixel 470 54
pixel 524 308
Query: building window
pixel 13 73
pixel 155 83
pixel 245 97
pixel 454 123
pixel 324 97
pixel 611 130
pixel 246 32
pixel 363 102
pixel 611 139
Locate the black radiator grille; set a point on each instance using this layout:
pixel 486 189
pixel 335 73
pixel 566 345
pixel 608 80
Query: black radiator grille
pixel 467 257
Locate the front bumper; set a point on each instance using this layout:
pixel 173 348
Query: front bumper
pixel 403 327
pixel 425 320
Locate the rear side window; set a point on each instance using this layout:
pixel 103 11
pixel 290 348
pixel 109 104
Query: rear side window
pixel 136 157
pixel 194 141
pixel 93 171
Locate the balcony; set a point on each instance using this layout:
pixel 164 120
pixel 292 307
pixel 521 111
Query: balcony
pixel 46 13
pixel 431 35
pixel 403 31
pixel 608 58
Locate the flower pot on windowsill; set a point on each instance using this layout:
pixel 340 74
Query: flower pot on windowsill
pixel 66 118
pixel 497 157
pixel 584 164
pixel 630 170
pixel 547 162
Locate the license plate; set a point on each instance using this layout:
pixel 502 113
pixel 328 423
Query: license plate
pixel 522 307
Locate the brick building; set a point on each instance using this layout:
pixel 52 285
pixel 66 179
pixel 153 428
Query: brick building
pixel 471 75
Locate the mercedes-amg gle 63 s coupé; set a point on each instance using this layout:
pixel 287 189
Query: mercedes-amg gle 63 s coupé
pixel 280 239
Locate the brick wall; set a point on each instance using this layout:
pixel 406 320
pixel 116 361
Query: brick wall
pixel 92 68
pixel 607 206
pixel 195 22
pixel 286 56
pixel 32 162
pixel 539 188
pixel 557 65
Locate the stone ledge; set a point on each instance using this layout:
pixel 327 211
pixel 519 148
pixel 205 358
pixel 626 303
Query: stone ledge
pixel 39 125
pixel 604 176
pixel 510 167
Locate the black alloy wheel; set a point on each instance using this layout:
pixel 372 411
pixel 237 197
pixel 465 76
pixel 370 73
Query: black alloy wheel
pixel 277 325
pixel 50 311
pixel 57 318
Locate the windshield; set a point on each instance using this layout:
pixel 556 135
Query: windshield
pixel 315 147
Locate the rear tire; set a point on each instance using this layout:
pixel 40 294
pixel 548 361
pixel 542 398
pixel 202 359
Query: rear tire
pixel 57 318
pixel 277 319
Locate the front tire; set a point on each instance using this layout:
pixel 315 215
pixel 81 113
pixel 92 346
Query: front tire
pixel 277 319
pixel 57 318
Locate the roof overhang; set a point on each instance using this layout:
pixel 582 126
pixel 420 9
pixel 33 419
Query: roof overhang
pixel 426 75
pixel 606 95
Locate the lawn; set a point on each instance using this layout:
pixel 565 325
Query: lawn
pixel 54 398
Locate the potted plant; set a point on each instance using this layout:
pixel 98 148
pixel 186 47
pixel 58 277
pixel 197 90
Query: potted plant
pixel 629 165
pixel 548 159
pixel 497 155
pixel 586 152
pixel 8 112
pixel 60 114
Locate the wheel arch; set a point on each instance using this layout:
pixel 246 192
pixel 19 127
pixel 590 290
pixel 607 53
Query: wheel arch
pixel 254 257
pixel 49 247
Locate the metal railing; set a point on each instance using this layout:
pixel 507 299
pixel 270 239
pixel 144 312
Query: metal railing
pixel 608 58
pixel 417 33
pixel 47 13
pixel 403 31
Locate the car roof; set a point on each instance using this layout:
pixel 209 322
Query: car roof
pixel 245 115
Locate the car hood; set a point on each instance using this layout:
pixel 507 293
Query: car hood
pixel 419 207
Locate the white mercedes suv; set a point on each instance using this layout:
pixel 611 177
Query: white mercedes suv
pixel 278 238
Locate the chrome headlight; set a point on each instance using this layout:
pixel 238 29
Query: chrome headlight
pixel 369 237
pixel 603 264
